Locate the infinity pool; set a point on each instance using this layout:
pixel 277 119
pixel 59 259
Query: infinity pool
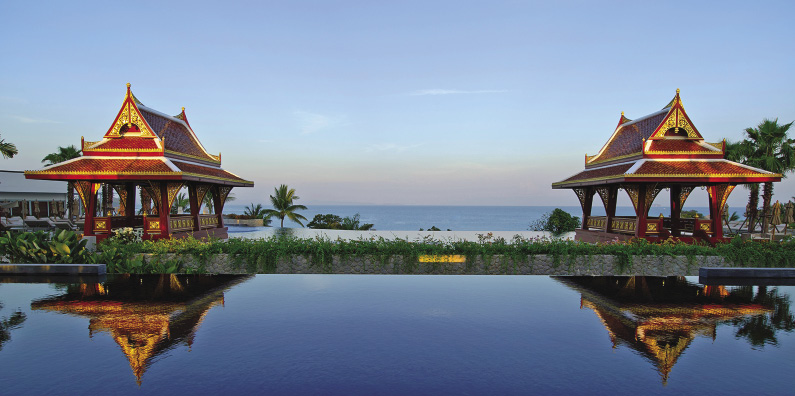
pixel 359 334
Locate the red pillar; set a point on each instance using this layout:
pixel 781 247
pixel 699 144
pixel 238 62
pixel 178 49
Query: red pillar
pixel 91 208
pixel 610 210
pixel 715 212
pixel 641 212
pixel 587 206
pixel 164 210
pixel 193 197
pixel 129 204
pixel 676 210
pixel 219 205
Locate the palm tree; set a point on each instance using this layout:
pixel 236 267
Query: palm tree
pixel 181 202
pixel 64 154
pixel 769 147
pixel 8 150
pixel 283 205
pixel 741 152
pixel 257 212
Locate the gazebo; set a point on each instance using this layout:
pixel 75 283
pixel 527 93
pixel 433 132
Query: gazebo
pixel 656 152
pixel 154 155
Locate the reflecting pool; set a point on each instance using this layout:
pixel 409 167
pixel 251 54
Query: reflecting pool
pixel 382 334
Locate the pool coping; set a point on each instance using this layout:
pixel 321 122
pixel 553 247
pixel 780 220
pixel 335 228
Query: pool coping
pixel 53 269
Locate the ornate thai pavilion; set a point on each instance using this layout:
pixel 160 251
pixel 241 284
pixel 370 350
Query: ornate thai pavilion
pixel 656 152
pixel 153 155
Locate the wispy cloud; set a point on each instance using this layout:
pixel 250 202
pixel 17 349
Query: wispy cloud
pixel 390 147
pixel 28 120
pixel 312 122
pixel 424 92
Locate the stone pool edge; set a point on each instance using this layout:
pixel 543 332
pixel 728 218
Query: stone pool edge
pixel 489 265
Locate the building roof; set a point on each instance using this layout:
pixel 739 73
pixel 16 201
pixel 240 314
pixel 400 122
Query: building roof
pixel 663 146
pixel 14 187
pixel 144 144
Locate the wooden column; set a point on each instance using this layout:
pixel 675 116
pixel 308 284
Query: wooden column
pixel 715 211
pixel 610 210
pixel 193 198
pixel 218 204
pixel 91 208
pixel 676 210
pixel 641 212
pixel 587 206
pixel 164 210
pixel 129 204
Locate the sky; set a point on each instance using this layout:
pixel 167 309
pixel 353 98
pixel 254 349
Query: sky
pixel 410 102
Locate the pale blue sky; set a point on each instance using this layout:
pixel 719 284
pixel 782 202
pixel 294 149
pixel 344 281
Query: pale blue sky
pixel 427 102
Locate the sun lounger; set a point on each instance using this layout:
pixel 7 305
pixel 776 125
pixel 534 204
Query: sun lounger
pixel 39 224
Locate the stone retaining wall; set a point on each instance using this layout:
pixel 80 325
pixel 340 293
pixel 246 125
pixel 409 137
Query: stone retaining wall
pixel 490 265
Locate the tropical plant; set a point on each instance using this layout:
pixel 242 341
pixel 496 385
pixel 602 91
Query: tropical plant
pixel 768 147
pixel 180 202
pixel 64 154
pixel 8 150
pixel 325 221
pixel 557 222
pixel 690 214
pixel 283 205
pixel 352 223
pixel 40 247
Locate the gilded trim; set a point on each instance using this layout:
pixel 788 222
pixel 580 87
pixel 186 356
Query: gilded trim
pixel 217 178
pixel 702 175
pixel 172 152
pixel 639 153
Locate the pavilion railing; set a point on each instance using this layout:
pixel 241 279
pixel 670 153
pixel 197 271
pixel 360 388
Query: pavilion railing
pixel 151 225
pixel 208 221
pixel 624 224
pixel 596 222
pixel 101 225
pixel 178 223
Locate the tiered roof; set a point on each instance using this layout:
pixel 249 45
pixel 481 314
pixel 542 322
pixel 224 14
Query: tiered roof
pixel 663 146
pixel 144 144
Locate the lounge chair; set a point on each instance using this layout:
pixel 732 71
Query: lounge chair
pixel 13 224
pixel 63 224
pixel 39 224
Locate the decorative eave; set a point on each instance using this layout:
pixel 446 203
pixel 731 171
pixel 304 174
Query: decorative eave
pixel 697 171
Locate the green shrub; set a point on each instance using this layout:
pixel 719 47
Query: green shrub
pixel 557 222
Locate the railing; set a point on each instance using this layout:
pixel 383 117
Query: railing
pixel 597 222
pixel 152 225
pixel 181 223
pixel 208 221
pixel 101 225
pixel 624 225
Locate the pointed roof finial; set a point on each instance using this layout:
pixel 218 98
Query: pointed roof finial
pixel 677 92
pixel 622 113
pixel 128 85
pixel 183 109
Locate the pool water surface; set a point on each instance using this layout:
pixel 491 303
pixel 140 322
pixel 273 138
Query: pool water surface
pixel 403 334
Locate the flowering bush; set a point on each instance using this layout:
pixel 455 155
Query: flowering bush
pixel 126 235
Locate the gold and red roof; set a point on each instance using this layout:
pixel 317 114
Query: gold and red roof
pixel 663 146
pixel 143 144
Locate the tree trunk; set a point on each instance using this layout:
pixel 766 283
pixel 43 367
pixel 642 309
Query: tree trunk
pixel 753 203
pixel 767 196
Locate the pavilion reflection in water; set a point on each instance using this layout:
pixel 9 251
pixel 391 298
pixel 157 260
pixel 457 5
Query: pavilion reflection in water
pixel 660 316
pixel 146 315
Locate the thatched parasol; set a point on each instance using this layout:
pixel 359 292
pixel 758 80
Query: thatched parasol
pixel 789 215
pixel 775 218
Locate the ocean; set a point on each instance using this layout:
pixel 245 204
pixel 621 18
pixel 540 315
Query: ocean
pixel 455 218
